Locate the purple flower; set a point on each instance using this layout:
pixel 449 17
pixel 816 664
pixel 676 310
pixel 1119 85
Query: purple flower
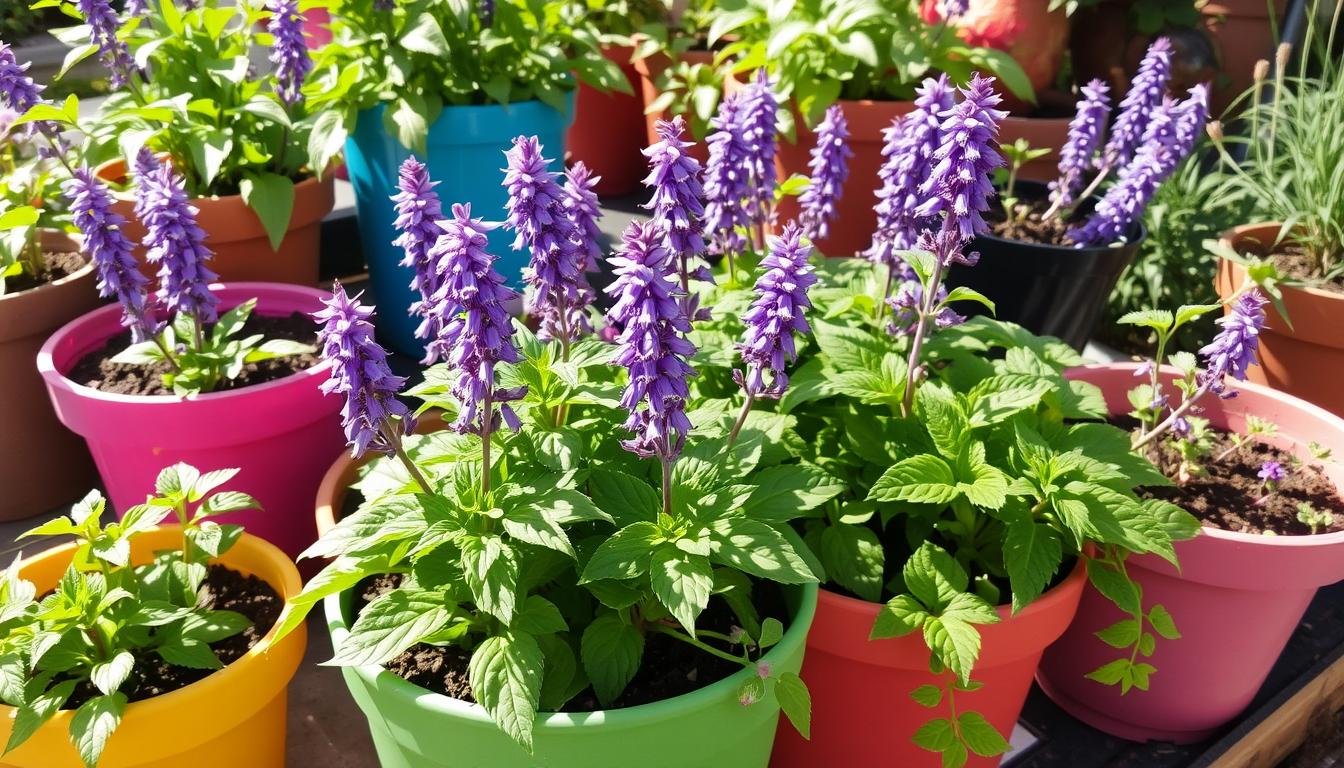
pixel 486 8
pixel 954 9
pixel 109 250
pixel 103 25
pixel 558 292
pixel 581 205
pixel 384 5
pixel 906 305
pixel 908 148
pixel 136 8
pixel 1140 103
pixel 1085 131
pixel 727 179
pixel 776 314
pixel 144 168
pixel 1271 472
pixel 359 371
pixel 959 184
pixel 17 89
pixel 418 211
pixel 830 168
pixel 652 343
pixel 758 115
pixel 1233 350
pixel 289 52
pixel 676 205
pixel 177 245
pixel 477 330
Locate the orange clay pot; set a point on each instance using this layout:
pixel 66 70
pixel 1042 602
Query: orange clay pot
pixel 235 717
pixel 608 130
pixel 862 713
pixel 649 70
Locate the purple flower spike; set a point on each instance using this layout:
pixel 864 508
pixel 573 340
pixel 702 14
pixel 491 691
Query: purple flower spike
pixel 1085 132
pixel 959 183
pixel 676 206
pixel 830 168
pixel 759 135
pixel 477 329
pixel 558 292
pixel 418 211
pixel 103 25
pixel 107 247
pixel 17 89
pixel 652 342
pixel 1233 350
pixel 581 205
pixel 359 371
pixel 727 179
pixel 908 149
pixel 776 315
pixel 1271 472
pixel 1139 104
pixel 289 52
pixel 905 307
pixel 136 8
pixel 177 245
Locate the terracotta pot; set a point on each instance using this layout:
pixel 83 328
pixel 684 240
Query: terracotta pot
pixel 234 717
pixel 862 713
pixel 42 464
pixel 608 130
pixel 1236 598
pixel 242 250
pixel 1306 360
pixel 1242 33
pixel 649 69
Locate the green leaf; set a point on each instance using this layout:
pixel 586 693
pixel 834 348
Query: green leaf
pixel 936 735
pixel 955 642
pixel 1111 673
pixel 539 616
pixel 934 577
pixel 758 549
pixel 901 615
pixel 408 120
pixel 93 724
pixel 425 36
pixel 386 519
pixel 388 625
pixel 490 568
pixel 327 139
pixel 1162 623
pixel 506 674
pixel 962 293
pixel 1122 634
pixel 108 676
pixel 527 523
pixel 611 651
pixel 37 711
pixel 924 479
pixel 682 582
pixel 796 702
pixel 853 558
pixel 1032 553
pixel 189 652
pixel 623 556
pixel 772 631
pixel 271 197
pixel 210 152
pixel 626 498
pixel 1114 587
pixel 927 695
pixel 784 492
pixel 1157 319
pixel 980 736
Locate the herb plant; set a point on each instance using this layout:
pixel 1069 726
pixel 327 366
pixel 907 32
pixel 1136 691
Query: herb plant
pixel 84 639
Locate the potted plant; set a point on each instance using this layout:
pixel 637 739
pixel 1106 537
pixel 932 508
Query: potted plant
pixel 44 283
pixel 1053 255
pixel 600 603
pixel 1299 232
pixel 185 86
pixel 140 643
pixel 1034 32
pixel 1254 466
pixel 189 373
pixel 677 71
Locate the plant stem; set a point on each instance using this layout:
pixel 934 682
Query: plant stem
pixel 741 418
pixel 886 293
pixel 667 482
pixel 393 437
pixel 917 343
pixel 1171 419
pixel 671 632
pixel 487 424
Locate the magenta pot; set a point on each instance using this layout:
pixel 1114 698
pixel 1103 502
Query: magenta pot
pixel 282 435
pixel 1236 599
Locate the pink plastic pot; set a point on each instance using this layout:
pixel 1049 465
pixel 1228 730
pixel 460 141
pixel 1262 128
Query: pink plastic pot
pixel 282 434
pixel 1236 599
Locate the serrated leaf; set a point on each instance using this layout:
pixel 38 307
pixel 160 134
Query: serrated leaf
pixel 784 492
pixel 1157 319
pixel 93 723
pixel 980 736
pixel 506 674
pixel 190 653
pixel 1111 673
pixel 936 735
pixel 955 642
pixel 853 558
pixel 527 523
pixel 107 676
pixel 898 617
pixel 1032 553
pixel 1122 634
pixel 796 702
pixel 924 479
pixel 611 651
pixel 625 555
pixel 1162 623
pixel 626 498
pixel 539 616
pixel 1113 586
pixel 758 549
pixel 39 710
pixel 927 695
pixel 389 624
pixel 682 582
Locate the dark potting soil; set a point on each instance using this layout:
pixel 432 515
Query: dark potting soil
pixel 1028 225
pixel 224 589
pixel 55 266
pixel 669 667
pixel 1293 261
pixel 97 371
pixel 1229 495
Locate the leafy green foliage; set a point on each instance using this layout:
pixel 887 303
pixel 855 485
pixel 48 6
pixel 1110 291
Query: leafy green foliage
pixel 106 611
pixel 30 194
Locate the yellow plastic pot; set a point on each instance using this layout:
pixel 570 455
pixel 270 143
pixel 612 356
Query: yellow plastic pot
pixel 233 718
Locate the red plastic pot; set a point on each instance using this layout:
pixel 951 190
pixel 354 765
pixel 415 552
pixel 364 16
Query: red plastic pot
pixel 608 130
pixel 1236 599
pixel 282 434
pixel 862 713
pixel 649 70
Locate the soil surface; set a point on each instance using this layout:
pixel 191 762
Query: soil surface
pixel 224 589
pixel 1232 497
pixel 1027 225
pixel 97 371
pixel 668 668
pixel 1293 261
pixel 55 266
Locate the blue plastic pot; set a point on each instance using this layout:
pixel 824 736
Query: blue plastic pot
pixel 466 148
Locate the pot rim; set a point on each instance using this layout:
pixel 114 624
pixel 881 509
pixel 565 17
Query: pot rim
pixel 1060 250
pixel 1241 230
pixel 70 278
pixel 100 171
pixel 57 380
pixel 1331 421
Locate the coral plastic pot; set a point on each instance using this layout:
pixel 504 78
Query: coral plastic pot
pixel 608 130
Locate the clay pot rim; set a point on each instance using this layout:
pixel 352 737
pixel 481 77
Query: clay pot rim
pixel 105 171
pixel 57 379
pixel 70 278
pixel 1332 421
pixel 1060 250
pixel 1231 236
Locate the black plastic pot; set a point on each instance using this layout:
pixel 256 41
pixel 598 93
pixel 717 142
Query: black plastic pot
pixel 1050 290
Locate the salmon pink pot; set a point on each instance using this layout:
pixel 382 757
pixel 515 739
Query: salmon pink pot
pixel 1236 599
pixel 282 435
pixel 608 130
pixel 862 713
pixel 650 70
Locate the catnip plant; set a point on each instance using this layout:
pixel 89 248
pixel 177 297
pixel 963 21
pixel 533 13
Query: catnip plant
pixel 200 346
pixel 77 646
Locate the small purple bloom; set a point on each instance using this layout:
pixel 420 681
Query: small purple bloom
pixel 1233 350
pixel 727 179
pixel 103 26
pixel 652 343
pixel 1085 132
pixel 177 245
pixel 959 184
pixel 418 211
pixel 360 372
pixel 909 144
pixel 136 8
pixel 954 9
pixel 109 250
pixel 1139 104
pixel 289 52
pixel 487 12
pixel 581 204
pixel 777 313
pixel 676 207
pixel 1271 472
pixel 17 89
pixel 477 330
pixel 830 168
pixel 144 168
pixel 906 304
pixel 759 136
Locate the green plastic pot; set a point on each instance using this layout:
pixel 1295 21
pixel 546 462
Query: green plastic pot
pixel 414 728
